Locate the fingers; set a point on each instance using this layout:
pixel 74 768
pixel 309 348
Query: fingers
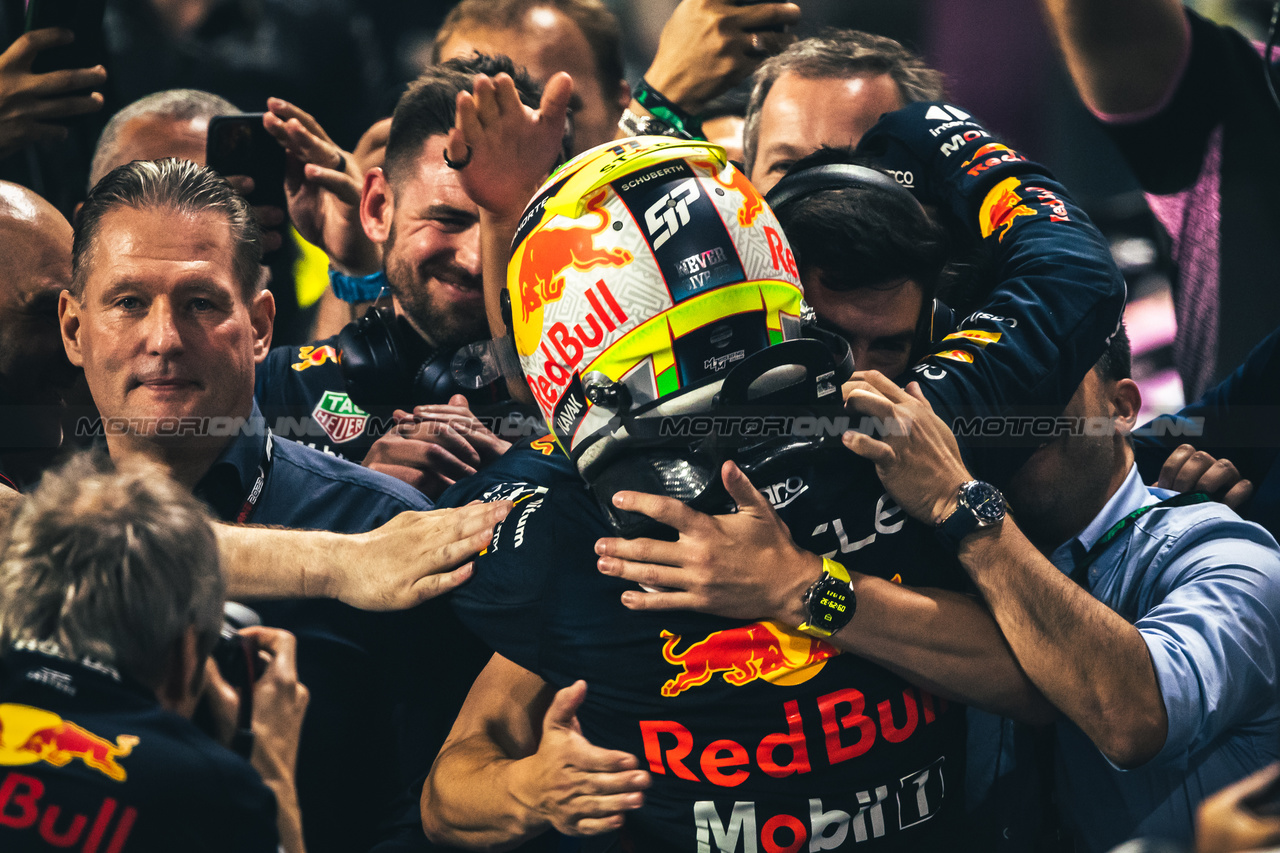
pixel 636 600
pixel 54 108
pixel 486 99
pixel 745 495
pixel 54 83
pixel 443 435
pixel 881 383
pixel 652 551
pixel 223 701
pixel 763 15
pixel 467 127
pixel 1198 473
pixel 563 712
pixel 506 98
pixel 474 528
pixel 868 448
pixel 1238 494
pixel 341 184
pixel 1172 465
pixel 869 401
pixel 25 47
pixel 281 647
pixel 646 574
pixel 430 586
pixel 669 511
pixel 555 98
pixel 286 111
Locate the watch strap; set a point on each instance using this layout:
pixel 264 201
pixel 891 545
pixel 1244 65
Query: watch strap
pixel 830 568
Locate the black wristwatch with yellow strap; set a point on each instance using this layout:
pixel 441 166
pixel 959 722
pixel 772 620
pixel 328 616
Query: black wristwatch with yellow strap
pixel 830 601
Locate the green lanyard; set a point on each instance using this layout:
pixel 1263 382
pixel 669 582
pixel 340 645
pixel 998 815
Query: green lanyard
pixel 1080 572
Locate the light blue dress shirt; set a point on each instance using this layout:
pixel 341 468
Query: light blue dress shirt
pixel 1203 588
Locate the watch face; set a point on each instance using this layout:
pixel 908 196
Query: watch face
pixel 985 501
pixel 832 604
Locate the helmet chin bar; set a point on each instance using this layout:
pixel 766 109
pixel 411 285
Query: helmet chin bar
pixel 665 447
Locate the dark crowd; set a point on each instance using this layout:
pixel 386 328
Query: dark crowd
pixel 432 427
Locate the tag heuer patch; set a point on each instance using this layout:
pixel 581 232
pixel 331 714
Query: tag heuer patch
pixel 341 419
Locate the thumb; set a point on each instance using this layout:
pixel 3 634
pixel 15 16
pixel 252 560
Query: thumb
pixel 564 707
pixel 555 97
pixel 459 400
pixel 745 495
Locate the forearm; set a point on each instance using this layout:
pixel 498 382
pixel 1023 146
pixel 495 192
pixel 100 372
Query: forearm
pixel 1121 56
pixel 288 815
pixel 470 798
pixel 943 641
pixel 260 562
pixel 1085 658
pixel 497 230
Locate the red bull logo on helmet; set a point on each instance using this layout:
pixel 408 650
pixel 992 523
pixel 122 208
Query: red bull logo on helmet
pixel 28 735
pixel 543 259
pixel 762 650
pixel 752 202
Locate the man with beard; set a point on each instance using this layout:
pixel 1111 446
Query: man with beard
pixel 340 394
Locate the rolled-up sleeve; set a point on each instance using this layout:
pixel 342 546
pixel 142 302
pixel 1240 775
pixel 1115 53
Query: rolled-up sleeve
pixel 1212 631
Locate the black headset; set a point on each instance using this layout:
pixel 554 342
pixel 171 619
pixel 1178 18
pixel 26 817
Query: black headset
pixel 940 320
pixel 386 364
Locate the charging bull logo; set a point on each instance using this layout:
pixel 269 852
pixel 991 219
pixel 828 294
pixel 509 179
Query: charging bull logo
pixel 315 356
pixel 752 202
pixel 1001 207
pixel 28 735
pixel 544 257
pixel 760 650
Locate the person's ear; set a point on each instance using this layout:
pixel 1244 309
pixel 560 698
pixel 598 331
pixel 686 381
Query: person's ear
pixel 69 323
pixel 377 206
pixel 183 680
pixel 1126 403
pixel 623 98
pixel 262 314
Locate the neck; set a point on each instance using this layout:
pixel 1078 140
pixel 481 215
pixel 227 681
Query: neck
pixel 186 461
pixel 1049 533
pixel 422 333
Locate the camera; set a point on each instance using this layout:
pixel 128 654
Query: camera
pixel 239 663
pixel 237 655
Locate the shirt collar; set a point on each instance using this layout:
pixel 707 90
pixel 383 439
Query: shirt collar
pixel 227 483
pixel 1131 495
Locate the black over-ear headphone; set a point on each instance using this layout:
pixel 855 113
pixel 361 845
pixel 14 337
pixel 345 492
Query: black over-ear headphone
pixel 940 321
pixel 833 176
pixel 386 365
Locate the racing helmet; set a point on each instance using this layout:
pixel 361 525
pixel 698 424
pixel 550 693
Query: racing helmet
pixel 643 274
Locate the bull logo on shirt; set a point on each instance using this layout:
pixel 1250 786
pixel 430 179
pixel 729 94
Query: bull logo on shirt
pixel 28 735
pixel 761 650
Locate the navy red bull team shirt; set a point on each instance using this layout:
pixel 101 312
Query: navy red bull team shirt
pixel 90 761
pixel 370 730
